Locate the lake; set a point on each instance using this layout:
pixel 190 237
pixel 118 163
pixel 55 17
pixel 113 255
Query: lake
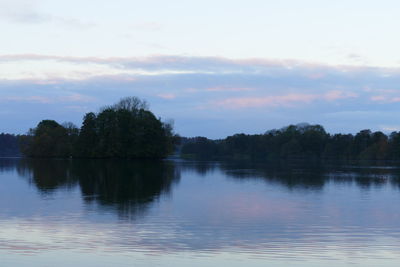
pixel 188 213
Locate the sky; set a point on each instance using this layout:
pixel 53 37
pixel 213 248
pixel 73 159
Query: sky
pixel 215 68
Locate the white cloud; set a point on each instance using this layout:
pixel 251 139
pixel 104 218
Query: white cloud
pixel 66 66
pixel 28 12
pixel 69 98
pixel 390 128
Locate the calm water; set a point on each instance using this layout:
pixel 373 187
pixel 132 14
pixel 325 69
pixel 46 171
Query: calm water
pixel 126 213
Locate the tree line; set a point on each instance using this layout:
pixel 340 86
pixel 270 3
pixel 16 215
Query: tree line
pixel 9 145
pixel 127 129
pixel 301 141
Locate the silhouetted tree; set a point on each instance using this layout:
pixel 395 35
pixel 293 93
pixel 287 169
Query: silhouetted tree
pixel 9 146
pixel 301 141
pixel 124 130
pixel 48 139
pixel 86 144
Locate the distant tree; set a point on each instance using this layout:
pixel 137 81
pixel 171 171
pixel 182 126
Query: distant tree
pixel 126 129
pixel 339 146
pixel 394 145
pixel 291 149
pixel 132 104
pixel 313 140
pixel 362 141
pixel 9 146
pixel 73 135
pixel 87 143
pixel 302 141
pixel 48 139
pixel 200 147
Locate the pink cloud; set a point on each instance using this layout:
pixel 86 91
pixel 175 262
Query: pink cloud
pixel 282 100
pixel 167 96
pixel 316 76
pixel 76 98
pixel 191 90
pixel 378 90
pixel 336 94
pixel 230 89
pixel 385 98
pixel 378 98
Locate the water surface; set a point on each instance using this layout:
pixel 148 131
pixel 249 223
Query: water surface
pixel 176 213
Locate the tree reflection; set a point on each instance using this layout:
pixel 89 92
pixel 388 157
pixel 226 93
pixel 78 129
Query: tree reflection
pixel 8 164
pixel 131 187
pixel 292 175
pixel 47 175
pixel 125 186
pixel 307 175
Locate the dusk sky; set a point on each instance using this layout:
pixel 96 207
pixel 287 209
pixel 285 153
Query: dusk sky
pixel 215 67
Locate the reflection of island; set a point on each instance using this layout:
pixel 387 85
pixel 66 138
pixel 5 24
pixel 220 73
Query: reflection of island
pixel 123 185
pixel 8 164
pixel 129 186
pixel 47 175
pixel 312 175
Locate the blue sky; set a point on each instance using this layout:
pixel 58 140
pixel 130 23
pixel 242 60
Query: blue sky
pixel 215 67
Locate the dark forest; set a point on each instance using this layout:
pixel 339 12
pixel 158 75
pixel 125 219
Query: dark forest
pixel 301 141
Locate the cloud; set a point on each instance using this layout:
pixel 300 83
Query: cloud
pixel 390 128
pixel 167 96
pixel 52 68
pixel 336 94
pixel 378 98
pixel 271 101
pixel 30 99
pixel 75 97
pixel 388 96
pixel 148 26
pixel 229 89
pixel 27 12
pixel 213 65
pixel 288 100
pixel 357 58
pixel 27 17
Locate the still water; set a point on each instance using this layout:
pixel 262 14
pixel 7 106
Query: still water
pixel 176 213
